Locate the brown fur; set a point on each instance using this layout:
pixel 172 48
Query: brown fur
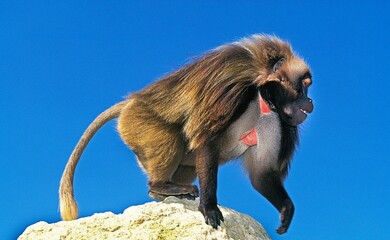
pixel 168 121
pixel 204 95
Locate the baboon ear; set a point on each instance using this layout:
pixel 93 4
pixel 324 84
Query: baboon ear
pixel 273 76
pixel 277 64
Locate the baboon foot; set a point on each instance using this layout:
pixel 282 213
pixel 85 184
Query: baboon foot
pixel 160 191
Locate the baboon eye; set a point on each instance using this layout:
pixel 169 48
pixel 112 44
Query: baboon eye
pixel 306 81
pixel 278 64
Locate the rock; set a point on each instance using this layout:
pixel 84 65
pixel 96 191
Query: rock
pixel 171 219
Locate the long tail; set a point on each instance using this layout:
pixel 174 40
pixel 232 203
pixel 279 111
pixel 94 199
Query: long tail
pixel 68 205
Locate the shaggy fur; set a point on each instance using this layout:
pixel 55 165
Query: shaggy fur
pixel 175 126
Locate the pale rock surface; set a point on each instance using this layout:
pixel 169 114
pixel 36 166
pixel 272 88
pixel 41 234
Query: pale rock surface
pixel 171 219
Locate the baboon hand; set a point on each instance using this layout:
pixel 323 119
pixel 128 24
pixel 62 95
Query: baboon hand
pixel 212 215
pixel 286 215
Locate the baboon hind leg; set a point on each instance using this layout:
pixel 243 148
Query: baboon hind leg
pixel 179 185
pixel 186 175
pixel 160 148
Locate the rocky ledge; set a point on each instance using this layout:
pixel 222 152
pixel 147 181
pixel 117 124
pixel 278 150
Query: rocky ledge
pixel 172 218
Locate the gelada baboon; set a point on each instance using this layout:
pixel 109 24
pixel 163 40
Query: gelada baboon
pixel 243 99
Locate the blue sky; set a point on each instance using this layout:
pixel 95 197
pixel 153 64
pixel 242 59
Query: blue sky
pixel 63 62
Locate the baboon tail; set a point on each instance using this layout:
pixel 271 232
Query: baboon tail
pixel 68 205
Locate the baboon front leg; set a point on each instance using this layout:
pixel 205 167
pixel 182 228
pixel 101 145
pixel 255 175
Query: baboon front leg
pixel 268 182
pixel 270 186
pixel 207 170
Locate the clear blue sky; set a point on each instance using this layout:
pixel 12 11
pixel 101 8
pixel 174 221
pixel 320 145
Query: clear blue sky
pixel 63 62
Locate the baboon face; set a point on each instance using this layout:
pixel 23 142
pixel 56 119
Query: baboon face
pixel 286 90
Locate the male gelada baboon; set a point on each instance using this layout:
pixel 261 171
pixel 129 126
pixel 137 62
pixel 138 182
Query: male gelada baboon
pixel 241 99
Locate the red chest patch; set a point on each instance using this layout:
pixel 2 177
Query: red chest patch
pixel 250 138
pixel 263 106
